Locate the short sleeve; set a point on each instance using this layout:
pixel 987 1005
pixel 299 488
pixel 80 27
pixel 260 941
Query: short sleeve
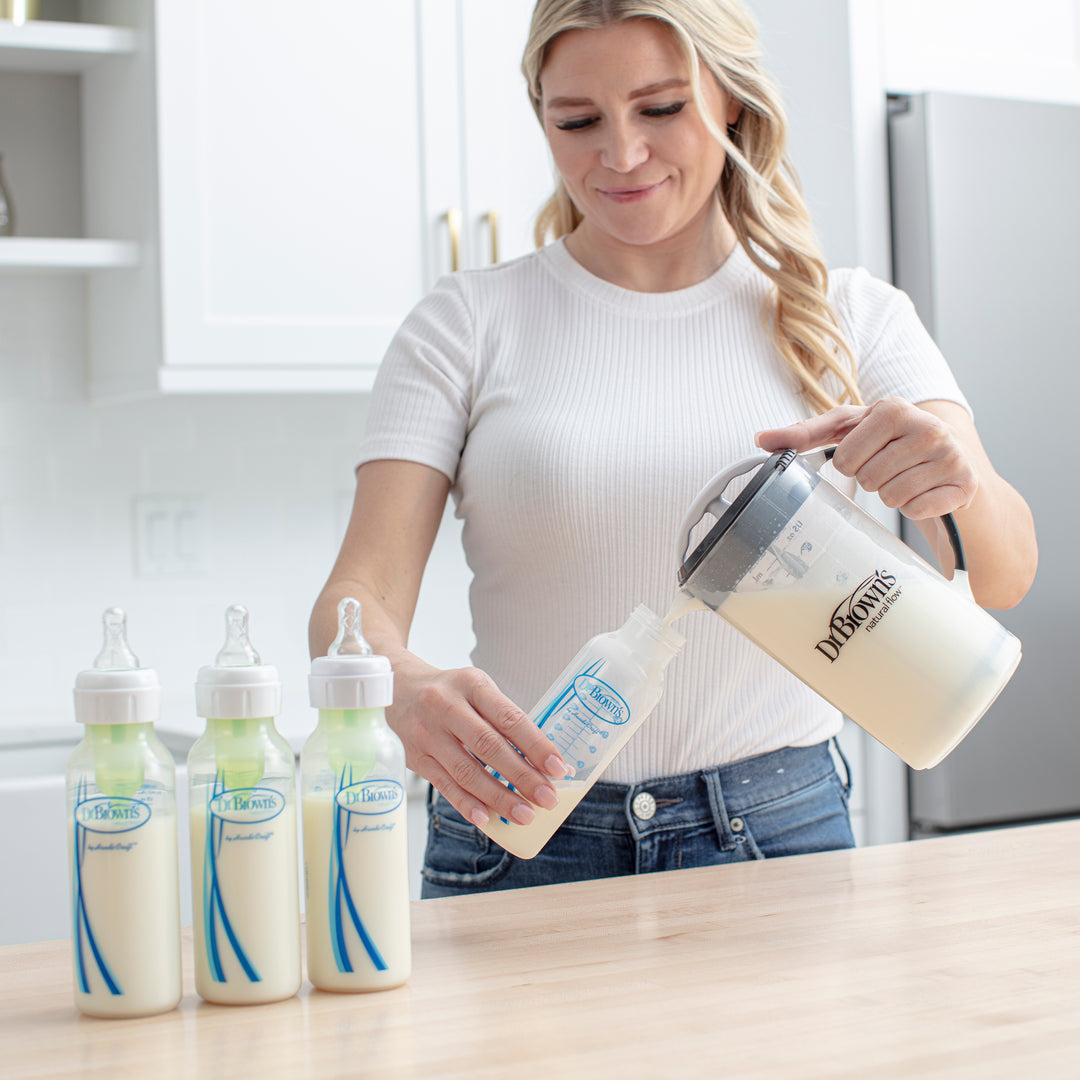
pixel 420 403
pixel 894 352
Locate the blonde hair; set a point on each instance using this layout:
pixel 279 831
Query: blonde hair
pixel 758 189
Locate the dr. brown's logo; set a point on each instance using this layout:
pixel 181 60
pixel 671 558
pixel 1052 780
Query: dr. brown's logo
pixel 870 599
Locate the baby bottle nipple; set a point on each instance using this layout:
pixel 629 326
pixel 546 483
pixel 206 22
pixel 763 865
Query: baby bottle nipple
pixel 348 680
pixel 237 650
pixel 350 640
pixel 119 767
pixel 116 654
pixel 236 695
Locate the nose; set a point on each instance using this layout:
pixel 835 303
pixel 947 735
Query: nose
pixel 624 147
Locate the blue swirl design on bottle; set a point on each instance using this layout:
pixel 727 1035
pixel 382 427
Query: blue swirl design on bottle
pixel 340 895
pixel 571 743
pixel 82 929
pixel 213 905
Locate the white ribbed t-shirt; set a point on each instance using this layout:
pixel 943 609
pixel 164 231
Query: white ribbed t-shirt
pixel 577 421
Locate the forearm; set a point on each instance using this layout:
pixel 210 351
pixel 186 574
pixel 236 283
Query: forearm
pixel 396 514
pixel 386 632
pixel 998 536
pixel 996 526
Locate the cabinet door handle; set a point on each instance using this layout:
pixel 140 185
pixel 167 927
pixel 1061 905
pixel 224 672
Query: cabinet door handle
pixel 492 218
pixel 453 224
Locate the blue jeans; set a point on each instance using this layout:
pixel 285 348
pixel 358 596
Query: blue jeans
pixel 788 802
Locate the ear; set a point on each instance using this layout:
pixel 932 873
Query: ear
pixel 734 110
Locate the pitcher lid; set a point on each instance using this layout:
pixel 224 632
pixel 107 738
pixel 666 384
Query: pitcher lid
pixel 743 551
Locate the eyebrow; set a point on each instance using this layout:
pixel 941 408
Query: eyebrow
pixel 644 91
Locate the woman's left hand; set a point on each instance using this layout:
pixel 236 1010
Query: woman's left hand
pixel 927 460
pixel 914 460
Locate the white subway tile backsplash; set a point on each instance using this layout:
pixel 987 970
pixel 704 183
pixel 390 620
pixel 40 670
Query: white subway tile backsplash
pixel 273 476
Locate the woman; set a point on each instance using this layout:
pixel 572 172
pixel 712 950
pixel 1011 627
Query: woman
pixel 575 400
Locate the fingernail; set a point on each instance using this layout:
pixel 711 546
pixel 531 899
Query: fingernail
pixel 479 817
pixel 523 814
pixel 546 797
pixel 556 767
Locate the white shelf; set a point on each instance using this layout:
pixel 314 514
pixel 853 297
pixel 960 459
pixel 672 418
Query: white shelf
pixel 47 254
pixel 61 47
pixel 191 379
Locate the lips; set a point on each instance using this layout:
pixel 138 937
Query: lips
pixel 630 194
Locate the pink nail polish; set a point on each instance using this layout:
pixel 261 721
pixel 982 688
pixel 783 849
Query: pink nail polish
pixel 546 797
pixel 557 768
pixel 523 814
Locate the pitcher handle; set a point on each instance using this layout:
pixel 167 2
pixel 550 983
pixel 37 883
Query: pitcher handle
pixel 960 576
pixel 710 500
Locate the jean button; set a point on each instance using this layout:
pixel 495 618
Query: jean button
pixel 644 806
pixel 736 824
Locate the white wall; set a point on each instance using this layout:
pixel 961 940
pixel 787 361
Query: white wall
pixel 994 48
pixel 272 477
pixel 835 60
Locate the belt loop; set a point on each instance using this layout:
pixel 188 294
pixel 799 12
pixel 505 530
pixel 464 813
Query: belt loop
pixel 719 811
pixel 847 767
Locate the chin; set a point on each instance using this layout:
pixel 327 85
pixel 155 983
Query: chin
pixel 643 235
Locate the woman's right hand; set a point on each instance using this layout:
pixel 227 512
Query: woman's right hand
pixel 453 723
pixel 449 721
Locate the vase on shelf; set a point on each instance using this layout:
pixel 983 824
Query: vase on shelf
pixel 7 214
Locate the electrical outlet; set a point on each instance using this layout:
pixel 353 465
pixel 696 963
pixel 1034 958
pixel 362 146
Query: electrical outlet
pixel 169 536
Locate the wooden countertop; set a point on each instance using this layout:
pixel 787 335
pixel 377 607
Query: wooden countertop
pixel 956 957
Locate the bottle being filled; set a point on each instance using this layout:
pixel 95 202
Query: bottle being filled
pixel 356 863
pixel 244 861
pixel 590 712
pixel 121 797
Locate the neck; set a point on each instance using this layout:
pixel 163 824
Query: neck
pixel 677 262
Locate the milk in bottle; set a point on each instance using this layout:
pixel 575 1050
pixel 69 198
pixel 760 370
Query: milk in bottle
pixel 121 798
pixel 244 861
pixel 590 712
pixel 354 819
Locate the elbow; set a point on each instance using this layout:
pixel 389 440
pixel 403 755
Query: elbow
pixel 1002 591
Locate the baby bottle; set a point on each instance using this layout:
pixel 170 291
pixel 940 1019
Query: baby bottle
pixel 590 712
pixel 356 857
pixel 121 796
pixel 244 862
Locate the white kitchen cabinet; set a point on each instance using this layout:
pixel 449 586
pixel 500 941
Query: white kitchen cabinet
pixel 289 188
pixel 297 187
pixel 503 174
pixel 269 188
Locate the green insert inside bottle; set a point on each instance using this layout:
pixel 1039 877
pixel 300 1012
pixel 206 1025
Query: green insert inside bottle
pixel 239 744
pixel 239 751
pixel 350 741
pixel 119 757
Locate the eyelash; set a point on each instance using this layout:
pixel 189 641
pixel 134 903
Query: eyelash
pixel 655 112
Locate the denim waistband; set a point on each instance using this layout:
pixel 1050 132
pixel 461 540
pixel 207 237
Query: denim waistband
pixel 703 796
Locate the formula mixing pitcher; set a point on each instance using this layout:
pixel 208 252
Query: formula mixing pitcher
pixel 846 606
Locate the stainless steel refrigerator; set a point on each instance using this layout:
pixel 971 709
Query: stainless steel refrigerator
pixel 986 241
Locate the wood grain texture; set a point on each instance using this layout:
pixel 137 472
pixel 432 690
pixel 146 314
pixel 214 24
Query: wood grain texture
pixel 956 957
